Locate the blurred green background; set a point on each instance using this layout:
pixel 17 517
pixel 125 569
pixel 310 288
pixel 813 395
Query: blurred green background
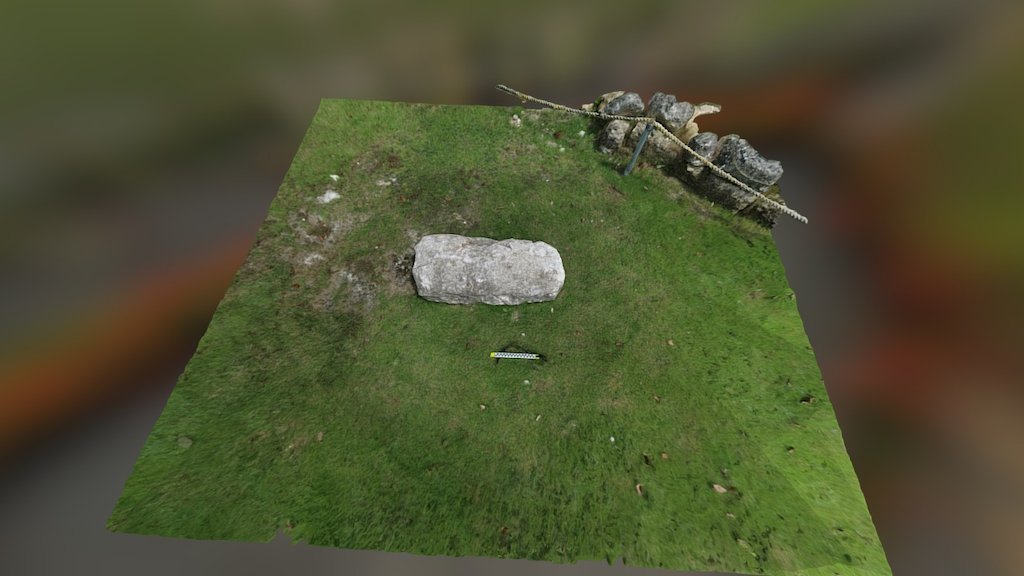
pixel 141 143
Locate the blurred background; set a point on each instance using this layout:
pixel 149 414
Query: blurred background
pixel 141 144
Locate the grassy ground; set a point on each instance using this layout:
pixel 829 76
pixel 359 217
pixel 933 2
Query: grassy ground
pixel 329 401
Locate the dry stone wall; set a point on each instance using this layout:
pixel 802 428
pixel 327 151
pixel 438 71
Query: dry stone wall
pixel 731 153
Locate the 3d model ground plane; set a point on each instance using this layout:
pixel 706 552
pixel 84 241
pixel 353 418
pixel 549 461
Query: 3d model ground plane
pixel 463 331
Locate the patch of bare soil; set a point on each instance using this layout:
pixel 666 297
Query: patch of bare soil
pixel 377 158
pixel 318 231
pixel 348 289
pixel 400 280
pixel 317 238
pixel 533 114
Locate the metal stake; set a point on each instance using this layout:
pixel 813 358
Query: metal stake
pixel 639 146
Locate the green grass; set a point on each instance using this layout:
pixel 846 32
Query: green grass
pixel 329 401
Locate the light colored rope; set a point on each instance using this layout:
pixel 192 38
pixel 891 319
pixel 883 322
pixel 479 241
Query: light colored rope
pixel 645 120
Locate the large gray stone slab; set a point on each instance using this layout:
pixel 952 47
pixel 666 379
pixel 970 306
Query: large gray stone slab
pixel 462 270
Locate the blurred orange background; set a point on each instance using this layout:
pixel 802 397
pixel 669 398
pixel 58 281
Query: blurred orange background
pixel 141 143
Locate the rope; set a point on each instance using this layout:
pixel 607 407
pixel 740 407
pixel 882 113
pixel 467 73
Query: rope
pixel 642 119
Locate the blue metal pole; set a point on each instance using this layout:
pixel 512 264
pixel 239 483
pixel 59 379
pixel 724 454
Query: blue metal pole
pixel 639 146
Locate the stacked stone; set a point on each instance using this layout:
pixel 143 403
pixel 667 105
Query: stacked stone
pixel 731 153
pixel 738 158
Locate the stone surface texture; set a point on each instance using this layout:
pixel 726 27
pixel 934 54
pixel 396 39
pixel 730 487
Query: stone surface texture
pixel 462 270
pixel 628 104
pixel 672 114
pixel 705 144
pixel 659 149
pixel 612 136
pixel 603 100
pixel 737 157
pixel 706 108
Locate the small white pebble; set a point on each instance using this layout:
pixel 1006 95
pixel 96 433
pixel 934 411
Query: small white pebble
pixel 561 148
pixel 613 438
pixel 552 310
pixel 526 382
pixel 522 333
pixel 581 133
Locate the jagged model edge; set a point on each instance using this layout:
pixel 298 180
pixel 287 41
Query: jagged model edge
pixel 646 120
